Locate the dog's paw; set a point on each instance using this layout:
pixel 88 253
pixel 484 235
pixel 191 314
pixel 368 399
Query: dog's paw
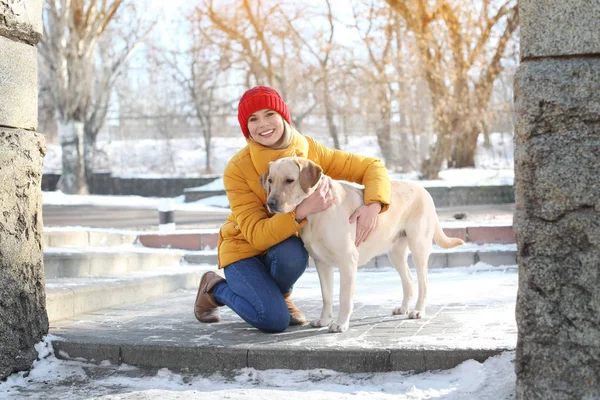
pixel 415 314
pixel 400 311
pixel 338 328
pixel 319 323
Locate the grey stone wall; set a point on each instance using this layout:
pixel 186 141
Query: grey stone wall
pixel 23 317
pixel 557 191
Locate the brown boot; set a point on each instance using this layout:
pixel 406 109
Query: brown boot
pixel 296 316
pixel 205 308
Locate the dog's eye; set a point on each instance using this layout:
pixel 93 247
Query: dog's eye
pixel 270 181
pixel 289 181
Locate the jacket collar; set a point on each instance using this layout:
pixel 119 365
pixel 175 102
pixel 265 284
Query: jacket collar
pixel 261 156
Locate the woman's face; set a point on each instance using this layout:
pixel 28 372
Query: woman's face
pixel 266 127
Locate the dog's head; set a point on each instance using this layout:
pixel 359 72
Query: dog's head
pixel 288 181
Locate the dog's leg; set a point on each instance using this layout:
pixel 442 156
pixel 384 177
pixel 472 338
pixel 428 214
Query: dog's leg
pixel 347 285
pixel 420 247
pixel 399 257
pixel 326 281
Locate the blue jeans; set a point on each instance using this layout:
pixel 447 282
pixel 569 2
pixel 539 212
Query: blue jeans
pixel 254 286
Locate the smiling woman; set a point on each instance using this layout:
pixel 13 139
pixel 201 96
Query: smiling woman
pixel 261 252
pixel 266 127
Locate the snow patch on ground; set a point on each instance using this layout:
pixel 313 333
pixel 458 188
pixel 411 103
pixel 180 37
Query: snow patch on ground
pixel 55 379
pixel 159 158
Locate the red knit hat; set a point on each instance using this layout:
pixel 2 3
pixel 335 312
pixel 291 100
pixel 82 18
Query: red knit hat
pixel 258 98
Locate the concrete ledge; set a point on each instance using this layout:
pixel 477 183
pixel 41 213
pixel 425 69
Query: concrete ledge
pixel 198 359
pixel 85 238
pixel 442 196
pixel 113 261
pixel 450 358
pixel 199 194
pixel 98 352
pixel 343 360
pixel 489 234
pixel 189 241
pixel 67 301
pixel 210 359
pixel 448 259
pixel 205 241
pixel 208 258
pixel 105 183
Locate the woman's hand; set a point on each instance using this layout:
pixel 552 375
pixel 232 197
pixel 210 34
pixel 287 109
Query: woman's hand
pixel 320 199
pixel 366 219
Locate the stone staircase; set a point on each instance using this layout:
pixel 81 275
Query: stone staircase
pixel 89 270
pixel 92 269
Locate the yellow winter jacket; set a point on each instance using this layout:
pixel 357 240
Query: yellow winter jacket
pixel 250 229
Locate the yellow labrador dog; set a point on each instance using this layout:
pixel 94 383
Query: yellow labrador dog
pixel 411 223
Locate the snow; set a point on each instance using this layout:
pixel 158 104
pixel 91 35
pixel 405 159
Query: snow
pixel 487 291
pixel 184 158
pixel 480 286
pixel 171 270
pixel 124 249
pixel 464 177
pixel 59 198
pixel 217 184
pixel 156 158
pixel 77 379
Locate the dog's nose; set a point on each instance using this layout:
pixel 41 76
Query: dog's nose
pixel 272 204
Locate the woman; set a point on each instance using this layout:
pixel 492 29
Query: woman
pixel 261 254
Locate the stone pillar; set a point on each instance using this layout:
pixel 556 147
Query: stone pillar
pixel 557 190
pixel 23 317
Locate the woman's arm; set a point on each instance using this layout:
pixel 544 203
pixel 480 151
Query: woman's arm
pixel 367 171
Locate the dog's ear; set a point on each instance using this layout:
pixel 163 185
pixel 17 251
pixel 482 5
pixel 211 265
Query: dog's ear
pixel 264 179
pixel 310 173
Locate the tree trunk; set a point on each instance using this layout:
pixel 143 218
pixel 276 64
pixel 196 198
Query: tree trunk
pixel 89 155
pixel 431 167
pixel 384 139
pixel 465 147
pixel 332 128
pixel 384 133
pixel 329 114
pixel 404 157
pixel 72 179
pixel 208 146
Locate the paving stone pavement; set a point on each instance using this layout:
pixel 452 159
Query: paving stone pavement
pixel 164 333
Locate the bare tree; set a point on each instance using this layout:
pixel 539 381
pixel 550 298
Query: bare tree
pixel 116 46
pixel 262 49
pixel 199 71
pixel 322 52
pixel 379 33
pixel 72 29
pixel 461 46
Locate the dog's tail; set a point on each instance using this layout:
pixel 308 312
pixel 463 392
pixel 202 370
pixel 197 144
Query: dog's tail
pixel 444 241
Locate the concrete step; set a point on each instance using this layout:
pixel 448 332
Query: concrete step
pixel 163 333
pixel 196 239
pixel 463 256
pixel 208 238
pixel 65 262
pixel 204 239
pixel 87 237
pixel 195 194
pixel 69 297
